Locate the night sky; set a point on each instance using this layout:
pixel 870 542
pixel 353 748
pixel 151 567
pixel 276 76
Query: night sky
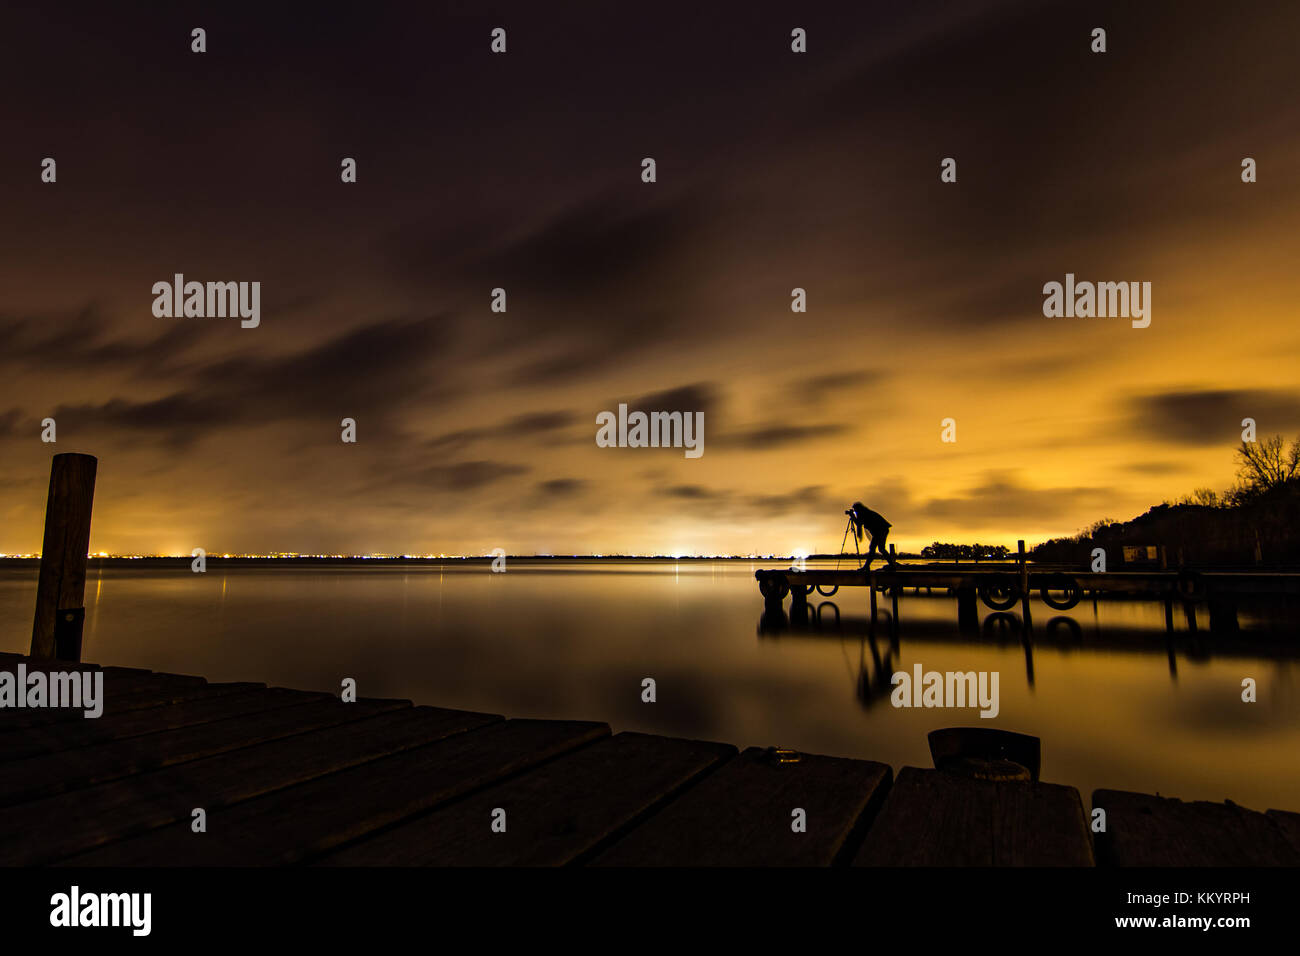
pixel 775 170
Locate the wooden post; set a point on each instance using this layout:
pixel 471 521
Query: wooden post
pixel 798 597
pixel 1024 569
pixel 1223 614
pixel 968 617
pixel 56 632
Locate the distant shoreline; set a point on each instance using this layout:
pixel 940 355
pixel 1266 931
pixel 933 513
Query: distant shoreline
pixel 168 561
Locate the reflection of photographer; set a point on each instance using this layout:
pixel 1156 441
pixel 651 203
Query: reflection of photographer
pixel 864 520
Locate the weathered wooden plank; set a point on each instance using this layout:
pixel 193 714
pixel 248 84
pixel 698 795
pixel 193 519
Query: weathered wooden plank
pixel 142 699
pixel 9 661
pixel 125 677
pixel 246 719
pixel 85 733
pixel 58 826
pixel 934 818
pixel 742 815
pixel 123 680
pixel 554 813
pixel 309 819
pixel 1145 830
pixel 1289 824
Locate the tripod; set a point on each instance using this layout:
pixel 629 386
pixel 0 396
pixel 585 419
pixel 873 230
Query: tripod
pixel 848 529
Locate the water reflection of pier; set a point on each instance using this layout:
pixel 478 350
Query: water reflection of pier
pixel 878 638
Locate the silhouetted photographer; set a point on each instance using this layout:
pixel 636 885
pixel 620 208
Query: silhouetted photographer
pixel 874 525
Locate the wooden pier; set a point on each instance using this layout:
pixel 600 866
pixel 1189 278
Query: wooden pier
pixel 1002 586
pixel 295 777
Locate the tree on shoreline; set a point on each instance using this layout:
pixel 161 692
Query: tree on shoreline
pixel 1259 514
pixel 1265 465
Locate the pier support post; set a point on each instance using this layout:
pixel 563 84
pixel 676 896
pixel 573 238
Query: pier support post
pixel 968 615
pixel 60 593
pixel 1024 569
pixel 1223 615
pixel 798 599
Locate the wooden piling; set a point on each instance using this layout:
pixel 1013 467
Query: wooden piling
pixel 798 598
pixel 1024 569
pixel 1223 614
pixel 56 631
pixel 968 617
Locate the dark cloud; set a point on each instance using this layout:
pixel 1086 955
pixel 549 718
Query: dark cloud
pixel 561 487
pixel 177 419
pixel 733 504
pixel 532 424
pixel 808 498
pixel 79 340
pixel 697 397
pixel 461 476
pixel 613 252
pixel 603 248
pixel 692 492
pixel 815 389
pixel 10 422
pixel 1212 416
pixel 768 437
pixel 1002 499
pixel 1155 467
pixel 370 373
pixel 374 370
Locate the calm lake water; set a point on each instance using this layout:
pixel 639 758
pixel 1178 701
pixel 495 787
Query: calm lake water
pixel 1116 701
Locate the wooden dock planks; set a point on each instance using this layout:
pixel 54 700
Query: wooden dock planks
pixel 553 814
pixel 296 823
pixel 292 776
pixel 1145 830
pixel 122 692
pixel 99 814
pixel 742 815
pixel 237 721
pixel 51 739
pixel 1289 824
pixel 938 819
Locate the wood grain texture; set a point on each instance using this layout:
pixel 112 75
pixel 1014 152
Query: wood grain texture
pixel 1289 825
pixel 1145 830
pixel 296 823
pixel 109 811
pixel 236 721
pixel 553 814
pixel 134 723
pixel 62 579
pixel 934 818
pixel 742 815
pixel 160 694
